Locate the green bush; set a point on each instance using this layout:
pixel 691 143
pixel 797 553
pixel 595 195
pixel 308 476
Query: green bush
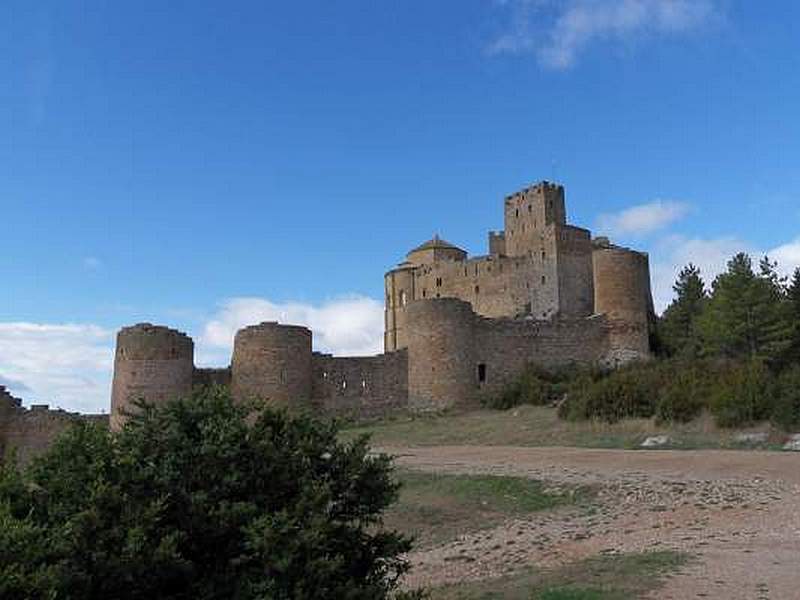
pixel 629 392
pixel 205 499
pixel 786 405
pixel 536 387
pixel 744 396
pixel 683 395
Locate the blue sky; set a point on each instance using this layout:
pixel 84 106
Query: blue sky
pixel 206 164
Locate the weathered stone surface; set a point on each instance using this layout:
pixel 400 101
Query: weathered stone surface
pixel 655 441
pixel 751 438
pixel 793 443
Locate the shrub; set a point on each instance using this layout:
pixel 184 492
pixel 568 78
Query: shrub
pixel 205 499
pixel 786 406
pixel 536 387
pixel 683 394
pixel 629 392
pixel 744 396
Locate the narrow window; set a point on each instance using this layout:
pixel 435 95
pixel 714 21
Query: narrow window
pixel 482 373
pixel 477 289
pixel 424 293
pixel 344 384
pixel 403 299
pixel 544 255
pixel 476 269
pixel 363 384
pixel 516 213
pixel 530 208
pixel 543 279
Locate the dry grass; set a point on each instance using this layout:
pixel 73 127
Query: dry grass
pixel 436 508
pixel 540 426
pixel 620 577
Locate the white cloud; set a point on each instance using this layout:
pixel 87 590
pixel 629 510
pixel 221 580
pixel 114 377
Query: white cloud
pixel 788 256
pixel 579 23
pixel 642 219
pixel 347 326
pixel 62 365
pixel 711 255
pixel 674 252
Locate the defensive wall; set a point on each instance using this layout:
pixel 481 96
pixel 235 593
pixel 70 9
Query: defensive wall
pixel 29 431
pixel 457 329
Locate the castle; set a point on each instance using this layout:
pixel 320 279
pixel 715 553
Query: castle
pixel 457 329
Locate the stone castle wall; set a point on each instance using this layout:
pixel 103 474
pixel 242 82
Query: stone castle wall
pixel 360 387
pixel 28 432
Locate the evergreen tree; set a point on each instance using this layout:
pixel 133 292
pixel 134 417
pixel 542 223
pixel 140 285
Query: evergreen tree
pixel 678 325
pixel 746 314
pixel 203 499
pixel 793 315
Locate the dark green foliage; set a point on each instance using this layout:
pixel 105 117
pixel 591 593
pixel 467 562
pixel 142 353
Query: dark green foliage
pixel 786 409
pixel 677 329
pixel 745 396
pixel 536 387
pixel 793 315
pixel 198 500
pixel 684 392
pixel 628 392
pixel 746 315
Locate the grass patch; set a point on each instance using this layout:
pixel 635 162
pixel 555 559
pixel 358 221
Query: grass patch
pixel 540 426
pixel 620 577
pixel 436 508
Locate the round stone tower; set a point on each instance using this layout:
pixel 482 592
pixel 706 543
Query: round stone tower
pixel 441 369
pixel 622 293
pixel 272 362
pixel 151 363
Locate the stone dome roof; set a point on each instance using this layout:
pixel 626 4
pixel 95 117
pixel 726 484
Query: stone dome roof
pixel 436 243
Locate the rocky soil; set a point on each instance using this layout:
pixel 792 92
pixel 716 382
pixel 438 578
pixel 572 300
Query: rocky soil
pixel 738 512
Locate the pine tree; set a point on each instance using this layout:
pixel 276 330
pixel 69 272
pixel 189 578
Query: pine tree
pixel 793 315
pixel 679 323
pixel 746 316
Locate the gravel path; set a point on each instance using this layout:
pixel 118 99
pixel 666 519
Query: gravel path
pixel 738 511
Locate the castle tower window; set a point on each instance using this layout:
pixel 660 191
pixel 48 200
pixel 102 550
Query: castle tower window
pixel 477 289
pixel 424 293
pixel 344 384
pixel 544 279
pixel 530 208
pixel 482 373
pixel 544 255
pixel 516 213
pixel 438 282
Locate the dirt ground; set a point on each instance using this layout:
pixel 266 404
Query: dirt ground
pixel 737 511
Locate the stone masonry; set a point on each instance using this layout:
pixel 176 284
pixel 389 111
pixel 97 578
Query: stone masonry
pixel 457 329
